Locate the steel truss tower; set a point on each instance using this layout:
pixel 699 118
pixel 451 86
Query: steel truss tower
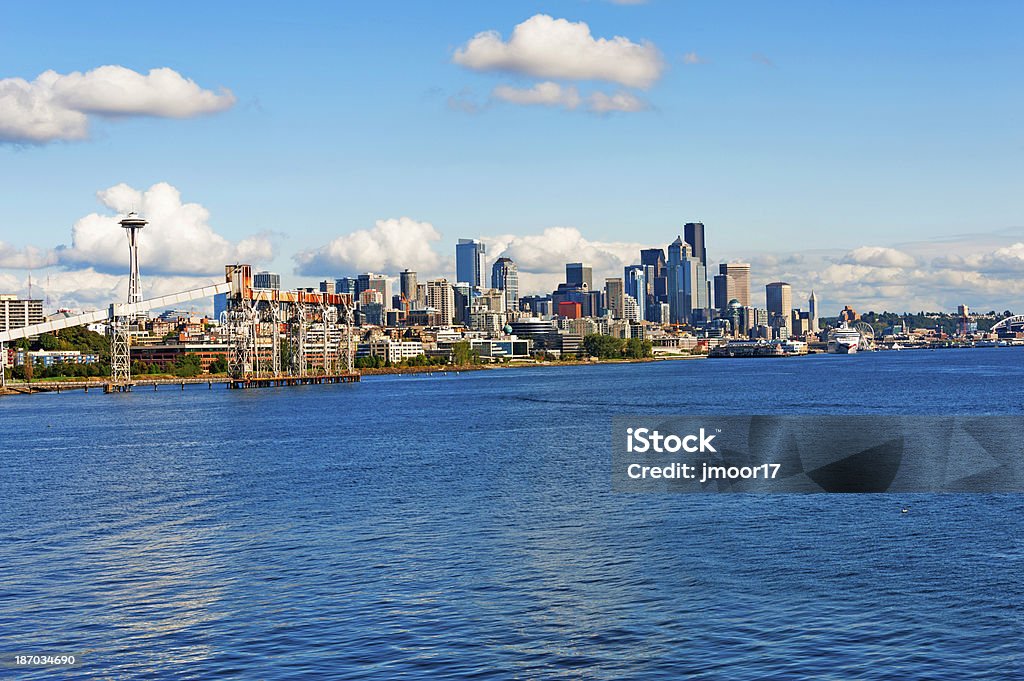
pixel 298 340
pixel 120 326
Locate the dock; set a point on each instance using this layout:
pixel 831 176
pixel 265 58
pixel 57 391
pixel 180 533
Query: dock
pixel 282 381
pixel 28 388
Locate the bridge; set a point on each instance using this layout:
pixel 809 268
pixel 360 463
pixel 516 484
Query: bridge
pixel 1008 323
pixel 316 326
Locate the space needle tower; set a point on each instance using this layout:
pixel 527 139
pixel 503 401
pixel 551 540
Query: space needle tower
pixel 132 223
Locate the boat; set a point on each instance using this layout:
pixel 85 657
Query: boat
pixel 843 340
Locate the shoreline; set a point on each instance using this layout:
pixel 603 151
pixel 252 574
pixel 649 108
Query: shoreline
pixel 60 384
pixel 445 368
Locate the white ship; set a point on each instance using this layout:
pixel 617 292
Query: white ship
pixel 843 340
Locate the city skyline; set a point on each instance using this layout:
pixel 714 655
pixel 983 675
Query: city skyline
pixel 847 159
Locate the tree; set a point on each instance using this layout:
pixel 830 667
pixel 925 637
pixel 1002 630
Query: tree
pixel 638 349
pixel 463 353
pixel 603 347
pixel 219 365
pixel 187 366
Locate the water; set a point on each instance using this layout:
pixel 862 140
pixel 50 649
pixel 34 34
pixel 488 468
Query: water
pixel 462 526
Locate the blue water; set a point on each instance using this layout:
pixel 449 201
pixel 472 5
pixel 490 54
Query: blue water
pixel 463 527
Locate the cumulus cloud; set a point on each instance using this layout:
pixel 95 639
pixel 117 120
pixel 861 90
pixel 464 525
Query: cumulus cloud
pixel 88 289
pixel 58 106
pixel 389 246
pixel 541 257
pixel 28 258
pixel 545 47
pixel 177 240
pixel 879 256
pixel 1002 260
pixel 600 102
pixel 545 94
pixel 551 94
pixel 981 270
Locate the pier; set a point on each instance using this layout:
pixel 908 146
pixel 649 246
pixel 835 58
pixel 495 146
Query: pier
pixel 281 381
pixel 28 388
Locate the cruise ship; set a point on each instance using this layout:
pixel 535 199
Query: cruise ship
pixel 843 340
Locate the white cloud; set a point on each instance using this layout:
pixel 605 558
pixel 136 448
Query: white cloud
pixel 87 289
pixel 541 257
pixel 599 102
pixel 546 47
pixel 177 240
pixel 1007 259
pixel 58 106
pixel 551 94
pixel 545 94
pixel 879 256
pixel 974 269
pixel 28 258
pixel 1002 260
pixel 391 245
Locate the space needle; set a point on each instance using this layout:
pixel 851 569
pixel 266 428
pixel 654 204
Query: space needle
pixel 132 223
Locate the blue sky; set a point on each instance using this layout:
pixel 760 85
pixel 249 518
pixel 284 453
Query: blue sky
pixel 813 128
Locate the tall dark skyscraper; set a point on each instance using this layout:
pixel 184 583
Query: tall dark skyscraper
pixel 578 274
pixel 693 234
pixel 653 257
pixel 653 262
pixel 725 288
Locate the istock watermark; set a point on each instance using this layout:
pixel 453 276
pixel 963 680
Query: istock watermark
pixel 806 453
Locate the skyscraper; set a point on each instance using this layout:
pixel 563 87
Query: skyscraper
pixel 725 287
pixel 463 293
pixel 469 262
pixel 812 312
pixel 779 299
pixel 441 296
pixel 635 282
pixel 578 274
pixel 686 290
pixel 347 285
pixel 615 297
pixel 653 257
pixel 265 279
pixel 740 273
pixel 693 234
pixel 407 284
pixel 505 277
pixel 653 262
pixel 374 281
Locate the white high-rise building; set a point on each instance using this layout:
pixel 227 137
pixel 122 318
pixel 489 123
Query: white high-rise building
pixel 812 312
pixel 630 309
